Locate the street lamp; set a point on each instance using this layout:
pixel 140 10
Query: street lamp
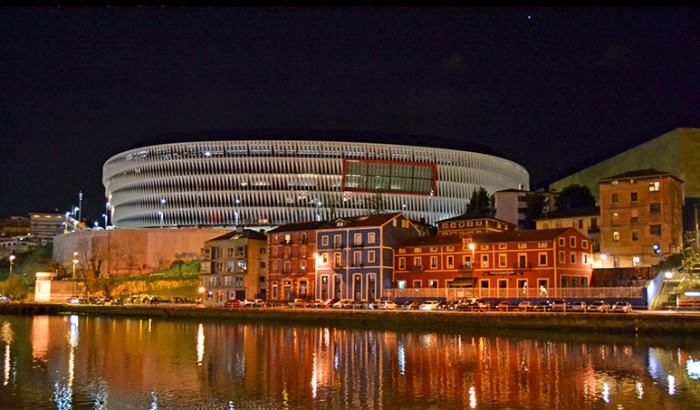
pixel 12 262
pixel 160 216
pixel 75 262
pixel 105 218
pixel 603 257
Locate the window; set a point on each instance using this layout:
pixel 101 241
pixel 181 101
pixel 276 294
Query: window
pixel 655 229
pixel 635 235
pixel 502 259
pixel 572 241
pixel 615 198
pixel 542 245
pixel 337 243
pixel 371 237
pixel 584 244
pixel 450 261
pixel 324 258
pixel 562 242
pixel 357 239
pixel 417 261
pixel 370 256
pixel 484 261
pixel 572 257
pixel 357 259
pixel 616 236
pixel 657 249
pixel 584 258
pixel 502 246
pixel 633 197
pixel 562 256
pixel 433 262
pixel 615 218
pixel 417 283
pixel 634 215
pixel 542 256
pixel 522 260
pixel 402 263
pixel 655 207
pixel 324 240
pixel 654 186
pixel 432 284
pixel 302 265
pixel 522 246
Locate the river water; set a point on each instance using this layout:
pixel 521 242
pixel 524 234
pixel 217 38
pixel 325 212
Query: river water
pixel 84 362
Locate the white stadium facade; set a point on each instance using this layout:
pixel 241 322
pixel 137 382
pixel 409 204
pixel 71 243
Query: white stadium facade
pixel 270 182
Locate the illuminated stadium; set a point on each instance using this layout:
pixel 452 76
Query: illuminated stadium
pixel 269 182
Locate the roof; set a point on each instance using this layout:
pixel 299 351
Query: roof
pixel 433 240
pixel 299 226
pixel 530 235
pixel 360 221
pixel 640 173
pixel 467 217
pixel 245 234
pixel 569 213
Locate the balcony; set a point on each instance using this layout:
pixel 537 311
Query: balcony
pixel 358 245
pixel 466 267
pixel 338 245
pixel 358 265
pixel 417 268
pixel 522 266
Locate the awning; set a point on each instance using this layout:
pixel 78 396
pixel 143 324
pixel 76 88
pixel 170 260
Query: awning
pixel 462 283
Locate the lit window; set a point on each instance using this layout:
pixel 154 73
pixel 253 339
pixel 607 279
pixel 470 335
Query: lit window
pixel 616 236
pixel 654 186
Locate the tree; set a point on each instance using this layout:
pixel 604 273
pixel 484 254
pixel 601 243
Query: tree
pixel 685 261
pixel 535 202
pixel 480 204
pixel 575 196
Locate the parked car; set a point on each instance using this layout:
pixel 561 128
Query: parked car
pixel 542 306
pixel 298 303
pixel 526 305
pixel 411 305
pixel 560 305
pixel 599 306
pixel 259 303
pixel 505 305
pixel 314 304
pixel 622 307
pixel 344 304
pixel 233 303
pixel 429 305
pixel 579 306
pixel 247 303
pixel 474 304
pixel 386 305
pixel 328 303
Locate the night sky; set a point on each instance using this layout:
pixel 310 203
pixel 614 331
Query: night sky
pixel 553 89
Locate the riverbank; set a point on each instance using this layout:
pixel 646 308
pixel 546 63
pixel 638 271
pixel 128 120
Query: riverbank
pixel 666 323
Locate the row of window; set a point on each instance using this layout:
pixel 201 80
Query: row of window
pixel 502 259
pixel 615 197
pixel 653 230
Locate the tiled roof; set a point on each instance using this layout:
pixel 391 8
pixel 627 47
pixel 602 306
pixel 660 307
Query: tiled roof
pixel 569 213
pixel 640 173
pixel 433 240
pixel 530 235
pixel 246 234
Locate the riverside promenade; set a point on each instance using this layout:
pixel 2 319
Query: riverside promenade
pixel 640 322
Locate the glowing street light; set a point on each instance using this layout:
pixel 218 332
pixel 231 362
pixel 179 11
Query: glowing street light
pixel 75 262
pixel 603 258
pixel 105 218
pixel 12 262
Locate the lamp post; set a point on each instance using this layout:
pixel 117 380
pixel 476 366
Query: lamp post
pixel 160 216
pixel 75 262
pixel 105 218
pixel 603 257
pixel 12 262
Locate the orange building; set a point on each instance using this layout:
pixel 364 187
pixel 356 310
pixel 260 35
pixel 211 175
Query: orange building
pixel 464 224
pixel 641 217
pixel 498 264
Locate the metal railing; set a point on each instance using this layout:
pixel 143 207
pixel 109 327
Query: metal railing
pixel 631 292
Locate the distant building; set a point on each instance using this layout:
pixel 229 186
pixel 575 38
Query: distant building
pixel 641 217
pixel 234 266
pixel 45 226
pixel 511 205
pixel 465 224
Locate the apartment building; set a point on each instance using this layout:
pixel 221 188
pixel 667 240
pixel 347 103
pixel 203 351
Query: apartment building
pixel 641 217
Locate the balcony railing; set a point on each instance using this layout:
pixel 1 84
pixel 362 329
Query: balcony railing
pixel 417 268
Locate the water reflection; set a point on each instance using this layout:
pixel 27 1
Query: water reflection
pixel 100 363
